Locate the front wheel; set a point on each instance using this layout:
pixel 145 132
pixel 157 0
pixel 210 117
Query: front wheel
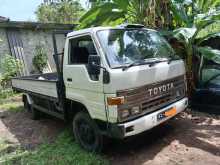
pixel 87 133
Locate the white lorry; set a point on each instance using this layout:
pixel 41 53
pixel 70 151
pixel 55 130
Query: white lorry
pixel 112 81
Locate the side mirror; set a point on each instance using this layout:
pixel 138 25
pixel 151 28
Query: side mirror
pixel 94 64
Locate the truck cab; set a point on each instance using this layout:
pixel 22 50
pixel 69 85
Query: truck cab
pixel 118 82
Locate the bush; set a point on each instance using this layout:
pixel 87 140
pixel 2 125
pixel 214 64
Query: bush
pixel 40 59
pixel 6 93
pixel 10 67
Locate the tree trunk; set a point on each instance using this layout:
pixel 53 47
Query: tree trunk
pixel 189 72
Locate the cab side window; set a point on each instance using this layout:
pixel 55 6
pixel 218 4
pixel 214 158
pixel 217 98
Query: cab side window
pixel 80 49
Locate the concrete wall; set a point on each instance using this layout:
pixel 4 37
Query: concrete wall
pixel 4 47
pixel 30 39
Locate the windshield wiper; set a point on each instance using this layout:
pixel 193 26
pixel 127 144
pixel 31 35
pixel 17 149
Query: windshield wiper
pixel 142 62
pixel 169 60
pixel 156 62
pixel 172 58
pixel 151 63
pixel 138 62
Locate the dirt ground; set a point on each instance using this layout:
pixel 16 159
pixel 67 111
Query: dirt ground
pixel 190 139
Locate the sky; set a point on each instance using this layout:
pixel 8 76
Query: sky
pixel 21 10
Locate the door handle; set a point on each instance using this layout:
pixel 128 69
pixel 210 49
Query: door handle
pixel 69 79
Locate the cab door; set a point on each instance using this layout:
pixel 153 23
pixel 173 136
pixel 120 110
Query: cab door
pixel 80 86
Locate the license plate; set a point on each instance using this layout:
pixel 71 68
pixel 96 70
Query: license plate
pixel 167 113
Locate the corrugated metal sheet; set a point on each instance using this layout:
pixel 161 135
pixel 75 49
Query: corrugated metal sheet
pixel 16 48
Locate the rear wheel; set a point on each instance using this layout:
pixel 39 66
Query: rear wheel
pixel 87 133
pixel 35 114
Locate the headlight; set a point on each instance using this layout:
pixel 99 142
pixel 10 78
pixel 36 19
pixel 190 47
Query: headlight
pixel 127 113
pixel 124 113
pixel 135 110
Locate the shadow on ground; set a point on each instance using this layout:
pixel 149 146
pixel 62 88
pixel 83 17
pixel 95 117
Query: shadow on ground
pixel 29 133
pixel 187 138
pixel 167 143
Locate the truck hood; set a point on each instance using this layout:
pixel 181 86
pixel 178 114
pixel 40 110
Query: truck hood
pixel 138 76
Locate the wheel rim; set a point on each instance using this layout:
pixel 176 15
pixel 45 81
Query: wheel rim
pixel 86 134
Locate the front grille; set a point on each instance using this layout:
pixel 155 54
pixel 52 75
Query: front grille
pixel 149 100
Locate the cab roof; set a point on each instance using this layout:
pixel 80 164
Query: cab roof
pixel 87 30
pixel 95 29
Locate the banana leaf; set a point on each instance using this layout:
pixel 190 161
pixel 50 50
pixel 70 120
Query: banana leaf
pixel 209 53
pixel 207 37
pixel 179 12
pixel 184 35
pixel 205 19
pixel 99 15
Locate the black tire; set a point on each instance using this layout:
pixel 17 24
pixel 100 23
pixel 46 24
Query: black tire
pixel 87 133
pixel 34 114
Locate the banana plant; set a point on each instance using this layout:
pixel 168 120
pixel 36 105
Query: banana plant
pixel 114 12
pixel 193 17
pixel 105 13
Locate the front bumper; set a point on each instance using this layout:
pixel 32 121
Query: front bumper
pixel 146 122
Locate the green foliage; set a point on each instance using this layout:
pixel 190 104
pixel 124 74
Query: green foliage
pixel 210 53
pixel 10 101
pixel 213 28
pixel 40 59
pixel 62 152
pixel 104 15
pixel 65 11
pixel 10 67
pixel 193 22
pixel 7 158
pixel 201 6
pixel 94 3
pixel 152 13
pixel 6 93
pixel 192 18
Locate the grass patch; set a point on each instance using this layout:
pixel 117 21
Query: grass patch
pixel 10 101
pixel 62 152
pixel 7 93
pixel 11 155
pixel 13 106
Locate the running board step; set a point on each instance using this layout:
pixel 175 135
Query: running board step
pixel 55 114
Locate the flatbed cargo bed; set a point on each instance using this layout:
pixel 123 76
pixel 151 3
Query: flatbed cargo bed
pixel 43 84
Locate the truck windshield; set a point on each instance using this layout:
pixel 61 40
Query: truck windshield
pixel 126 46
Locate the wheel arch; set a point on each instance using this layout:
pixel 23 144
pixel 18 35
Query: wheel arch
pixel 27 97
pixel 75 107
pixel 72 107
